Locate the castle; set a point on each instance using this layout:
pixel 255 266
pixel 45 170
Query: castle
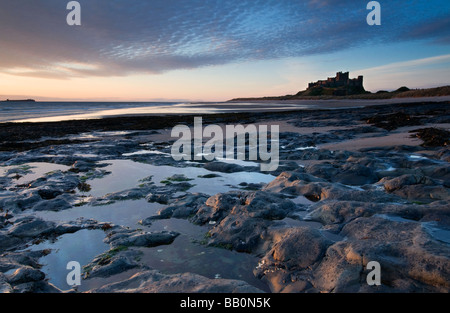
pixel 341 80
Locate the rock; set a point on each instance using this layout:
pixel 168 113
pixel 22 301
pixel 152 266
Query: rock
pixel 398 182
pixel 216 208
pixel 2 222
pixel 212 175
pixel 152 281
pixel 393 121
pixel 356 175
pixel 127 238
pixel 36 287
pixel 411 258
pixel 436 212
pixel 5 287
pixel 266 205
pixel 55 204
pixel 31 227
pixel 299 248
pixel 416 187
pixel 321 190
pixel 241 217
pixel 159 198
pixel 24 275
pixel 84 166
pixel 291 251
pixel 239 232
pixel 54 184
pixel 326 171
pixel 7 242
pixel 424 259
pixel 294 184
pixel 337 212
pixel 403 248
pixel 438 172
pixel 433 137
pixel 251 186
pixel 444 155
pixel 14 260
pixel 340 270
pixel 424 193
pixel 67 228
pixel 48 194
pixel 183 207
pixel 223 167
pixel 380 229
pixel 26 279
pixel 350 173
pixel 84 187
pixel 20 202
pixel 113 262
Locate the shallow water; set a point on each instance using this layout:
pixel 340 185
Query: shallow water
pixel 125 213
pixel 185 254
pixel 127 174
pixel 32 171
pixel 81 247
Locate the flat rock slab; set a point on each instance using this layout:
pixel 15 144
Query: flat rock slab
pixel 153 281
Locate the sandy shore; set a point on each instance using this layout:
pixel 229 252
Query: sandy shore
pixel 347 103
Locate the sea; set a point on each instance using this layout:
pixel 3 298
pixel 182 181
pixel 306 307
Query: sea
pixel 27 111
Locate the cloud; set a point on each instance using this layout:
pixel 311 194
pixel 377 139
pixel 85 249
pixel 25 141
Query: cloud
pixel 120 37
pixel 438 29
pixel 395 67
pixel 433 72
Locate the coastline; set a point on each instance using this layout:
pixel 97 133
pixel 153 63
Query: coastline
pixel 354 185
pixel 211 108
pixel 17 131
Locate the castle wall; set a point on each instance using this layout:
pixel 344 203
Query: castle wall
pixel 341 80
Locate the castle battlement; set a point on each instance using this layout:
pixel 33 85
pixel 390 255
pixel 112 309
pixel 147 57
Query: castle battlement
pixel 340 80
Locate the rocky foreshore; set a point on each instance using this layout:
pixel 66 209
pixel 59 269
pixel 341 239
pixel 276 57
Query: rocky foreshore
pixel 353 186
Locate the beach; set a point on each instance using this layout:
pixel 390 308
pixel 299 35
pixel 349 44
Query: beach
pixel 357 182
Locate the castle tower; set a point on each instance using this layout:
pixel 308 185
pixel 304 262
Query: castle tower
pixel 360 81
pixel 342 78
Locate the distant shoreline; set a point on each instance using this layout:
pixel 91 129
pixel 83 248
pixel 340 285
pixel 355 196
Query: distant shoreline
pixel 24 100
pixel 380 95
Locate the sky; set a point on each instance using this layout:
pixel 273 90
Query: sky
pixel 215 50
